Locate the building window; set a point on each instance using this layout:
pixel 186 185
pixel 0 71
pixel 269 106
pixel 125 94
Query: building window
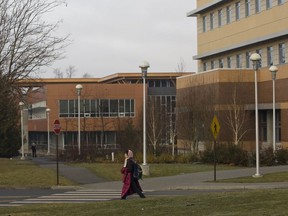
pixel 212 65
pixel 282 57
pixel 278 125
pixel 269 55
pixel 220 17
pixel 228 14
pixel 247 8
pixel 160 84
pixel 259 51
pixel 238 61
pixel 280 2
pixel 228 62
pixel 248 62
pixel 157 83
pixel 204 23
pixel 257 6
pixel 237 10
pixel 221 63
pixel 263 125
pixel 97 108
pixel 268 4
pixel 64 108
pixel 205 66
pixel 211 21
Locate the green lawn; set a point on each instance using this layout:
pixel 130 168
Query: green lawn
pixel 111 171
pixel 18 173
pixel 254 203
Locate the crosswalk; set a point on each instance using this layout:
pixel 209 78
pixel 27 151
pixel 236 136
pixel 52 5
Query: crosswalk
pixel 78 196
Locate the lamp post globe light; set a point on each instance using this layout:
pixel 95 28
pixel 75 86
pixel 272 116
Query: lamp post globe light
pixel 273 69
pixel 21 104
pixel 256 58
pixel 79 88
pixel 144 68
pixel 48 130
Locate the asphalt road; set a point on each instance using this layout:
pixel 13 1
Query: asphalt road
pixel 11 195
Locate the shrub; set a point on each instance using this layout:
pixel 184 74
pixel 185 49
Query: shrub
pixel 187 158
pixel 267 157
pixel 281 156
pixel 226 154
pixel 207 156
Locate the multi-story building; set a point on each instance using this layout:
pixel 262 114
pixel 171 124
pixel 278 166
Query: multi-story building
pixel 228 33
pixel 106 105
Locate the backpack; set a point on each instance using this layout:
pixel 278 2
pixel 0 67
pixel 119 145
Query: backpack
pixel 137 171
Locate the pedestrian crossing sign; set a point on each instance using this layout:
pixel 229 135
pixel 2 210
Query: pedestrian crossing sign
pixel 215 127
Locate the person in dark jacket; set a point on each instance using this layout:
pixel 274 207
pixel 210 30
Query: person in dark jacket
pixel 33 147
pixel 130 184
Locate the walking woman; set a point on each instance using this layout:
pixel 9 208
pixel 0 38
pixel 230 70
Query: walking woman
pixel 130 184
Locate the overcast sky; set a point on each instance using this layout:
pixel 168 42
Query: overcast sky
pixel 112 36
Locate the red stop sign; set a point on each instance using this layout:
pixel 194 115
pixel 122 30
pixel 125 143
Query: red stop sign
pixel 57 127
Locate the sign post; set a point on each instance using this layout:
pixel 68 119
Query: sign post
pixel 57 130
pixel 215 128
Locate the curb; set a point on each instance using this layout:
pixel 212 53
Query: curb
pixel 59 187
pixel 233 187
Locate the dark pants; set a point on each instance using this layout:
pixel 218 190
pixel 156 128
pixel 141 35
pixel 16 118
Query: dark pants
pixel 136 189
pixel 34 152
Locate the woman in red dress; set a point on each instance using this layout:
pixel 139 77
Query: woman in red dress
pixel 130 184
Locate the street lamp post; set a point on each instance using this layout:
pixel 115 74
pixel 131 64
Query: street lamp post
pixel 79 88
pixel 256 58
pixel 273 69
pixel 144 68
pixel 48 130
pixel 21 104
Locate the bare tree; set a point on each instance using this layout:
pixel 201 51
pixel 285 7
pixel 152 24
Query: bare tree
pixel 27 41
pixel 236 118
pixel 195 110
pixel 172 132
pixel 181 66
pixel 70 71
pixel 58 73
pixel 154 123
pixel 87 75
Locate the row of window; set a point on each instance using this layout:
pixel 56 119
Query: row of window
pixel 264 125
pixel 233 12
pixel 163 102
pixel 243 61
pixel 97 108
pixel 161 83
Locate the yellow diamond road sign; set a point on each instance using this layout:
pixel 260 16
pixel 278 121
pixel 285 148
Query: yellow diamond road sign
pixel 215 127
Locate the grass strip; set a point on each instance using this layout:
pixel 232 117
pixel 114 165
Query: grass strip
pixel 256 203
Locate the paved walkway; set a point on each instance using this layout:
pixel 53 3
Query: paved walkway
pixel 202 180
pixel 78 175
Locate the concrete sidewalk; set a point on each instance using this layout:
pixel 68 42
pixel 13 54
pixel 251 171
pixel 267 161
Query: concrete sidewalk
pixel 78 175
pixel 201 180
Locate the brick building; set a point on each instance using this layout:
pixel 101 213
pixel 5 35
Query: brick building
pixel 228 33
pixel 106 105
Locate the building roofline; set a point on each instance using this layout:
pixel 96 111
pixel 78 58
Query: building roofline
pixel 243 44
pixel 107 79
pixel 160 75
pixel 199 10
